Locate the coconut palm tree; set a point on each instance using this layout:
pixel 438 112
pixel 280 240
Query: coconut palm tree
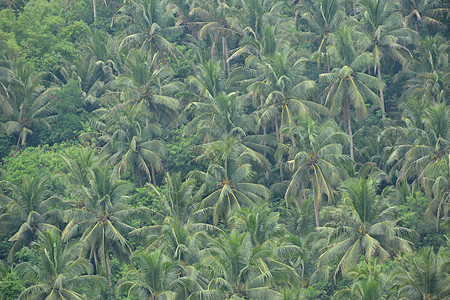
pixel 208 80
pixel 156 277
pixel 233 267
pixel 425 276
pixel 27 106
pixel 363 224
pixel 144 84
pixel 369 282
pixel 426 74
pixel 254 16
pixel 421 153
pixel 79 169
pixel 30 208
pixel 101 218
pixel 60 273
pixel 131 143
pixel 216 20
pixel 437 185
pixel 223 116
pixel 322 18
pixel 316 161
pixel 383 22
pixel 227 181
pixel 260 222
pixel 151 27
pixel 286 91
pixel 348 84
pixel 179 231
pixel 423 12
pixel 429 136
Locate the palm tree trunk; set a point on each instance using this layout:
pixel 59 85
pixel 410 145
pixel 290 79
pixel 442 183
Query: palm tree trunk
pixel 94 7
pixel 153 174
pixel 349 124
pixel 383 110
pixel 17 148
pixel 264 126
pixel 213 46
pixel 108 264
pixel 95 260
pixel 225 55
pixel 315 202
pixel 277 132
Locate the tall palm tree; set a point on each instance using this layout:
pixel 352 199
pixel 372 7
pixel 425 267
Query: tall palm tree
pixel 426 74
pixel 425 276
pixel 208 80
pixel 60 274
pixel 323 18
pixel 254 16
pixel 180 229
pixel 348 84
pixel 423 12
pixel 79 169
pixel 234 267
pixel 437 184
pixel 27 106
pixel 131 142
pixel 151 27
pixel 223 116
pixel 260 222
pixel 216 22
pixel 156 277
pixel 144 84
pixel 30 209
pixel 286 91
pixel 227 181
pixel 369 282
pixel 363 224
pixel 317 162
pixel 101 219
pixel 383 22
pixel 422 153
pixel 429 141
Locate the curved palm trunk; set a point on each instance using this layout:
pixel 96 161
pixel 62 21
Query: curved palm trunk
pixel 94 7
pixel 383 110
pixel 94 254
pixel 153 174
pixel 349 124
pixel 226 63
pixel 213 46
pixel 279 139
pixel 108 264
pixel 316 200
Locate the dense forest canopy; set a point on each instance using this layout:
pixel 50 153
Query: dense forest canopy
pixel 224 149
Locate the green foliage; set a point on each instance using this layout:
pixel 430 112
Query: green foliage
pixel 6 143
pixel 412 214
pixel 26 255
pixel 45 34
pixel 68 104
pixel 9 46
pixel 10 287
pixel 42 161
pixel 146 197
pixel 224 105
pixel 181 152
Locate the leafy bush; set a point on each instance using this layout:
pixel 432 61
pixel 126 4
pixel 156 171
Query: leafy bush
pixel 10 287
pixel 69 106
pixel 412 216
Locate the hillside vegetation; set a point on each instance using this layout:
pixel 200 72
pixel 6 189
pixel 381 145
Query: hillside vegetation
pixel 224 149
